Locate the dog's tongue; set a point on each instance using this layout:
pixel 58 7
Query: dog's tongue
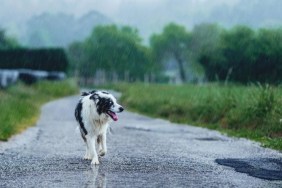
pixel 113 115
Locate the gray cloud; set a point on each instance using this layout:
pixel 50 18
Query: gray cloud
pixel 149 15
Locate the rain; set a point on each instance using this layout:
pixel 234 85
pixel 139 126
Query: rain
pixel 200 82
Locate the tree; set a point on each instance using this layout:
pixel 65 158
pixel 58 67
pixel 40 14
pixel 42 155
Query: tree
pixel 7 42
pixel 204 42
pixel 233 57
pixel 173 42
pixel 244 55
pixel 268 56
pixel 76 54
pixel 114 50
pixel 205 38
pixel 238 47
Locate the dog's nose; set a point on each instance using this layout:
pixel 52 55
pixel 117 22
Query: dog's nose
pixel 121 109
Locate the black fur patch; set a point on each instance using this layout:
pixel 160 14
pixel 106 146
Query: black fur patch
pixel 78 117
pixel 84 94
pixel 103 105
pixel 93 91
pixel 87 93
pixel 99 139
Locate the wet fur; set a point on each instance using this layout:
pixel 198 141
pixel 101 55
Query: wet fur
pixel 91 115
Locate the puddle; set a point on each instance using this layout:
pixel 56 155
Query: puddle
pixel 210 139
pixel 265 168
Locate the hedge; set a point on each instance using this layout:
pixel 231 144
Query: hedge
pixel 48 59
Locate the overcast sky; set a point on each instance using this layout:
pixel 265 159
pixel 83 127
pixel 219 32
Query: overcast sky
pixel 147 15
pixel 20 10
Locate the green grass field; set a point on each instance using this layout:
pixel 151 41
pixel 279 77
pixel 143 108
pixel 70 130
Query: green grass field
pixel 20 104
pixel 253 112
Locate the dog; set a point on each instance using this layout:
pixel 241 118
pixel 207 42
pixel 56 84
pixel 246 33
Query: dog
pixel 94 111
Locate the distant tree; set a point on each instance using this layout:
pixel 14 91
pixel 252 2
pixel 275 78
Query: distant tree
pixel 233 56
pixel 245 55
pixel 205 38
pixel 238 47
pixel 116 50
pixel 76 54
pixel 268 56
pixel 173 42
pixel 204 42
pixel 7 42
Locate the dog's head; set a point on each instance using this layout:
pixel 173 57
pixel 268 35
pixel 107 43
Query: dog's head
pixel 106 103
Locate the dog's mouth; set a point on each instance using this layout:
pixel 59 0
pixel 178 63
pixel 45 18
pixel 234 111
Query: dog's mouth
pixel 113 115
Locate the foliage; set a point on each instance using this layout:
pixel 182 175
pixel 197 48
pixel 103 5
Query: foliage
pixel 52 59
pixel 7 42
pixel 173 42
pixel 113 50
pixel 205 38
pixel 21 104
pixel 244 55
pixel 238 55
pixel 253 112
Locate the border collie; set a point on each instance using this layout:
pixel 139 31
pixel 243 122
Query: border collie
pixel 94 111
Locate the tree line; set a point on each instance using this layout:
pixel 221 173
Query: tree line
pixel 240 54
pixel 244 55
pixel 43 59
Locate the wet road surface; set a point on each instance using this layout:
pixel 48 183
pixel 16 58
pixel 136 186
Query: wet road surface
pixel 142 152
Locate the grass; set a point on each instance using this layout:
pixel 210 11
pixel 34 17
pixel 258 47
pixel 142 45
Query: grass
pixel 253 112
pixel 20 104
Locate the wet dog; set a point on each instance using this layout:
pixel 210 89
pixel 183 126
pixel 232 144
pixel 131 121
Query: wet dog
pixel 94 111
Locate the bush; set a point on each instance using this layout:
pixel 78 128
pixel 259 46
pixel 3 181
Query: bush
pixel 35 59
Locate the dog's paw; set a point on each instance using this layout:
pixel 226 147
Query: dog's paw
pixel 87 157
pixel 102 153
pixel 95 162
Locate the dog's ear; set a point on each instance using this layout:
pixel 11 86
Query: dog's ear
pixel 84 93
pixel 87 93
pixel 94 97
pixel 93 91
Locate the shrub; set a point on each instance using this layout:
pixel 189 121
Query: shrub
pixel 49 59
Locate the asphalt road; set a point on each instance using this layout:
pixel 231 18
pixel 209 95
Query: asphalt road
pixel 142 152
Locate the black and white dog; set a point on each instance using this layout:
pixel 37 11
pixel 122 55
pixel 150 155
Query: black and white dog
pixel 94 112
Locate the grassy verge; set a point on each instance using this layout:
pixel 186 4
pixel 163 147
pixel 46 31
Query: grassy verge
pixel 253 112
pixel 20 104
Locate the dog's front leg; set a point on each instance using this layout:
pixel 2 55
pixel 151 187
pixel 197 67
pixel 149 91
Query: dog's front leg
pixel 92 149
pixel 88 155
pixel 103 150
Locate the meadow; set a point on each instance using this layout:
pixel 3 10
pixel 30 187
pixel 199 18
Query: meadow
pixel 20 104
pixel 253 112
